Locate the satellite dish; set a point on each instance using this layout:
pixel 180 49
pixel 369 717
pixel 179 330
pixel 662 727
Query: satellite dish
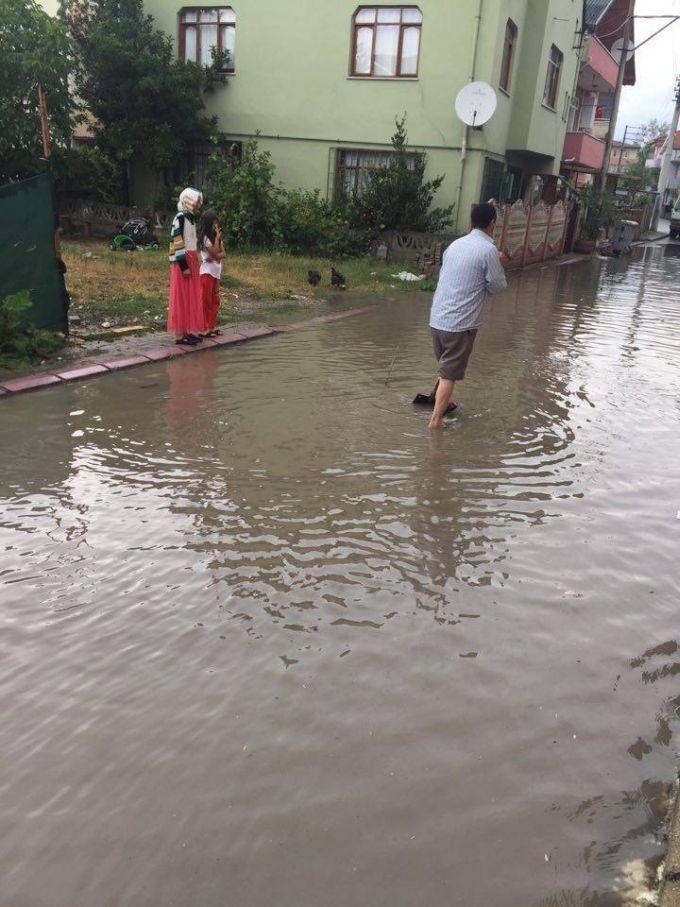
pixel 617 50
pixel 476 103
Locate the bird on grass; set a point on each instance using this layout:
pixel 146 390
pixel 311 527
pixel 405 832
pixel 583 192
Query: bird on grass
pixel 314 277
pixel 338 280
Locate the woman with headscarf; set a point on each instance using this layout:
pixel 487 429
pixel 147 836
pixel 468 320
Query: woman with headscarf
pixel 185 310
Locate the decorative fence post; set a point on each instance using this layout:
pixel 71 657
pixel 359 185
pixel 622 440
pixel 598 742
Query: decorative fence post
pixel 546 240
pixel 506 210
pixel 530 213
pixel 567 218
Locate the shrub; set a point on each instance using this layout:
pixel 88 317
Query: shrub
pixel 245 197
pixel 19 342
pixel 398 197
pixel 255 210
pixel 599 211
pixel 308 224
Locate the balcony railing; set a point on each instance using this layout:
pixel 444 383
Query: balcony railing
pixel 601 62
pixel 583 151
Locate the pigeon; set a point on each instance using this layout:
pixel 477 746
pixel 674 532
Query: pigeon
pixel 338 280
pixel 314 277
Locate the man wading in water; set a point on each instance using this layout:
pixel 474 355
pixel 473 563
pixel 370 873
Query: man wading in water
pixel 471 268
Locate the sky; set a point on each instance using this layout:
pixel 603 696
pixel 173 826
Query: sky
pixel 657 65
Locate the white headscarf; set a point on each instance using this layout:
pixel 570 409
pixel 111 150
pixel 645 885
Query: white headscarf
pixel 190 201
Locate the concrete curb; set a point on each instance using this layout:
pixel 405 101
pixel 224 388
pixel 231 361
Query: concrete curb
pixel 644 241
pixel 13 386
pixel 670 885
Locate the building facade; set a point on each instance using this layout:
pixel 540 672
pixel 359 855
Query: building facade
pixel 624 155
pixel 593 101
pixel 321 84
pixel 657 149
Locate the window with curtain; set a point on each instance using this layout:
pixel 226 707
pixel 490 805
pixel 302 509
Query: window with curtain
pixel 508 54
pixel 203 30
pixel 386 41
pixel 552 79
pixel 354 165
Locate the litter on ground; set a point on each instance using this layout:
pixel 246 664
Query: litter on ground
pixel 407 276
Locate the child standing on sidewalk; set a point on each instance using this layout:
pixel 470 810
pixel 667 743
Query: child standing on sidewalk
pixel 185 310
pixel 212 255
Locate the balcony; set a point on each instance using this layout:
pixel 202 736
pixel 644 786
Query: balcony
pixel 583 151
pixel 599 69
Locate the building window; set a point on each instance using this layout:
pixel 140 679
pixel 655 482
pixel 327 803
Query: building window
pixel 492 180
pixel 552 79
pixel 508 54
pixel 572 122
pixel 354 166
pixel 204 30
pixel 386 41
pixel 194 169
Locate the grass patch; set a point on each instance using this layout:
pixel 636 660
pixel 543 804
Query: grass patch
pixel 125 285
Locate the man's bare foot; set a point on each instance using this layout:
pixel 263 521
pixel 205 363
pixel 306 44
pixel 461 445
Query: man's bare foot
pixel 436 423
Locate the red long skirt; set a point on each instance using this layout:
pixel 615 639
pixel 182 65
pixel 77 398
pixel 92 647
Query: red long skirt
pixel 185 308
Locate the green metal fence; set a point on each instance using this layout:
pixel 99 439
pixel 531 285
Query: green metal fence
pixel 27 257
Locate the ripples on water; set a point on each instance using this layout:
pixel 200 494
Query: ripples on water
pixel 264 638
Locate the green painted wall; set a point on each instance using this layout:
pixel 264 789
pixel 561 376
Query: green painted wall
pixel 292 85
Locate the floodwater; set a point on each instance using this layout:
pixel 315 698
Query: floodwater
pixel 265 640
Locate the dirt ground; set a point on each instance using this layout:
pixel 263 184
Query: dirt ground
pixel 115 290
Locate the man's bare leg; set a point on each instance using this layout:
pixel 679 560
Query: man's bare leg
pixel 444 392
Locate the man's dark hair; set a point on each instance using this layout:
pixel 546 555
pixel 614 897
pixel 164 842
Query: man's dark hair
pixel 483 215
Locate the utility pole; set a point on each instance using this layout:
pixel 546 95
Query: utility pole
pixel 622 149
pixel 627 30
pixel 664 176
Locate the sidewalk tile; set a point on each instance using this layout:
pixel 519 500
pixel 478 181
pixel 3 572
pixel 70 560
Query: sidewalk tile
pixel 29 383
pixel 115 365
pixel 158 353
pixel 227 339
pixel 83 371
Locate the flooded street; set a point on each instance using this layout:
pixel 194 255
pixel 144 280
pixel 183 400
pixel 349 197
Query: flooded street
pixel 266 640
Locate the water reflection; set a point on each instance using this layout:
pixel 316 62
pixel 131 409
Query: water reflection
pixel 251 606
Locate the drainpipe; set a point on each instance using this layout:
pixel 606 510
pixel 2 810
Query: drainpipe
pixel 583 44
pixel 464 145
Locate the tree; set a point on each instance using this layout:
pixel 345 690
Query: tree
pixel 147 105
pixel 398 197
pixel 653 129
pixel 34 48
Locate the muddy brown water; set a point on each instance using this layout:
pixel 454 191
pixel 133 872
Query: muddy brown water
pixel 265 640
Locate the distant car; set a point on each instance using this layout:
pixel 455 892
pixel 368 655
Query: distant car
pixel 675 220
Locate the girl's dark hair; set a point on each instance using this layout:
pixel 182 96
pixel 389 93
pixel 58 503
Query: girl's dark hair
pixel 207 228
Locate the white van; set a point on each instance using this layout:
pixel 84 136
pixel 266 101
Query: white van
pixel 675 219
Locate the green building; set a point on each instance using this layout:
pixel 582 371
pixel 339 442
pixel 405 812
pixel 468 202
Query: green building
pixel 322 82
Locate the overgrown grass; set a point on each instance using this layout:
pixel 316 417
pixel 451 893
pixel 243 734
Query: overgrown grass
pixel 20 343
pixel 106 284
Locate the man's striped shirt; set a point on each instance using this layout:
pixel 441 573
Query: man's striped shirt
pixel 471 268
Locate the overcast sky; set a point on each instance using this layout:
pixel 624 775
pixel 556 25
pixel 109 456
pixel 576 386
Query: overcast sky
pixel 657 65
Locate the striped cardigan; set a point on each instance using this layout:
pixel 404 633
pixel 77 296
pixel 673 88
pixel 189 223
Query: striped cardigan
pixel 182 239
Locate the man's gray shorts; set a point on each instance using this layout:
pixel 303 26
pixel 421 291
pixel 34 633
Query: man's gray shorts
pixel 453 349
